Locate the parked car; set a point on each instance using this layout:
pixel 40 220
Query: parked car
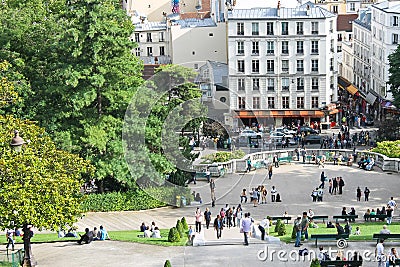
pixel 250 133
pixel 312 139
pixel 285 130
pixel 308 130
pixel 281 134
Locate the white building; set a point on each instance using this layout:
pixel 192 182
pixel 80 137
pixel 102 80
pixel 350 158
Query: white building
pixel 282 64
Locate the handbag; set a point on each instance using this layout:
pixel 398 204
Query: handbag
pixel 241 230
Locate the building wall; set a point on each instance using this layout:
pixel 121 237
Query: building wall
pixel 191 47
pixel 347 65
pixel 362 57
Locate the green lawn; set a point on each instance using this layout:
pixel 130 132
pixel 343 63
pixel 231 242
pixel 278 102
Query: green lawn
pixel 367 230
pixel 127 236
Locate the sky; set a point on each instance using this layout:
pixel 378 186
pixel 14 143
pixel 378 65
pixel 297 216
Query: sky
pixel 244 4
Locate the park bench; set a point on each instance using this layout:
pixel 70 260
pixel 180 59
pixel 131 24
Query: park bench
pixel 341 263
pixel 385 236
pixel 285 159
pixel 345 217
pixel 319 217
pixel 376 216
pixel 275 218
pixel 258 165
pixel 328 237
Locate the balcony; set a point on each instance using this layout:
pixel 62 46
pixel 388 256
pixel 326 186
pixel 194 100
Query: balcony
pixel 255 52
pixel 270 52
pixel 270 88
pixel 285 88
pixel 300 69
pixel 314 51
pixel 314 32
pixel 285 32
pixel 285 69
pixel 285 52
pixel 300 51
pixel 300 32
pixel 314 88
pixel 240 33
pixel 300 88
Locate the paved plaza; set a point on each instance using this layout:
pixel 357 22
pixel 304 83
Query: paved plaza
pixel 293 181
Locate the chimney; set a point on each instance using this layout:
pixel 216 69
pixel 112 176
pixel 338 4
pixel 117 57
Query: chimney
pixel 308 10
pixel 278 9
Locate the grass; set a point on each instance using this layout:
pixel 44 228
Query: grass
pixel 126 236
pixel 367 230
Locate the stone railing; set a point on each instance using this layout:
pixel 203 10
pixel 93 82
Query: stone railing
pixel 239 165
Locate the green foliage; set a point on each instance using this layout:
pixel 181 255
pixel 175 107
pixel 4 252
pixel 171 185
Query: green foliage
pixel 224 156
pixel 277 225
pixel 315 263
pixel 39 185
pixel 180 229
pixel 394 75
pixel 184 224
pixel 389 129
pixel 167 264
pixel 173 235
pixel 390 149
pixel 281 229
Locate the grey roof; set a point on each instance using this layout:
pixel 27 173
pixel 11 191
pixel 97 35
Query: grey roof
pixel 285 13
pixel 150 26
pixel 219 72
pixel 194 22
pixel 389 6
pixel 364 19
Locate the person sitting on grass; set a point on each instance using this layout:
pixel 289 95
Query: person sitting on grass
pixel 358 231
pixel 384 231
pixel 147 233
pixel 102 235
pixel 86 238
pixel 156 233
pixel 312 224
pixel 339 228
pixel 143 227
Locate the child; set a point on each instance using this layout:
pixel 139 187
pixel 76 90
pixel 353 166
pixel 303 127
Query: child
pixel 357 232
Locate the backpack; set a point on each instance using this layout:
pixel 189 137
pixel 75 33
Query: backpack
pixel 326 257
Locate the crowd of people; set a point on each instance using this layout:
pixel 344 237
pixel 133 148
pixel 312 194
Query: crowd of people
pixel 150 231
pixel 260 193
pixel 96 234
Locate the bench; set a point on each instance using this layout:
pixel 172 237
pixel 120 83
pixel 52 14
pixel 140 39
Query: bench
pixel 345 217
pixel 275 218
pixel 376 216
pixel 341 263
pixel 285 159
pixel 258 165
pixel 328 237
pixel 385 236
pixel 319 217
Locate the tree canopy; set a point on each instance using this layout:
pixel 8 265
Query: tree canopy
pixel 394 75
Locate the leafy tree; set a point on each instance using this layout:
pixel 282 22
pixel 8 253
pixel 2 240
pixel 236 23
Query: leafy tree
pixel 390 149
pixel 389 130
pixel 184 224
pixel 167 263
pixel 394 75
pixel 173 235
pixel 180 229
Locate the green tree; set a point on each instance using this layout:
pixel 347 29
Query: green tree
pixel 394 75
pixel 167 263
pixel 184 224
pixel 390 149
pixel 389 130
pixel 173 235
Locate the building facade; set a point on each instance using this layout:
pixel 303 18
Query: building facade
pixel 282 64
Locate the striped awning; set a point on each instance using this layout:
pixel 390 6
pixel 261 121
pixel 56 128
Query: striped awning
pixel 352 89
pixel 278 113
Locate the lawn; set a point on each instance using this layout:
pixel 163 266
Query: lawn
pixel 127 236
pixel 367 230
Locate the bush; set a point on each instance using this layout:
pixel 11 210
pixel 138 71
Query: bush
pixel 184 224
pixel 390 149
pixel 277 225
pixel 294 232
pixel 225 156
pixel 315 263
pixel 167 263
pixel 282 229
pixel 179 227
pixel 173 235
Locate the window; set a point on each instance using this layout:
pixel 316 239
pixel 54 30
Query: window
pixel 240 47
pixel 395 38
pixel 162 51
pixel 285 28
pixel 285 65
pixel 240 28
pixel 314 83
pixel 339 37
pixel 149 37
pixel 300 84
pixel 242 102
pixel 149 51
pixel 270 84
pixel 332 45
pixel 285 102
pixel 271 102
pixel 314 65
pixel 285 47
pixel 314 102
pixel 270 65
pixel 255 48
pixel 161 37
pixel 285 84
pixel 255 66
pixel 300 65
pixel 300 102
pixel 300 47
pixel 335 9
pixel 256 84
pixel 137 38
pixel 352 7
pixel 270 28
pixel 339 48
pixel 254 28
pixel 240 65
pixel 314 27
pixel 241 85
pixel 137 51
pixel 395 21
pixel 331 64
pixel 299 27
pixel 314 47
pixel 256 103
pixel 270 47
pixel 331 26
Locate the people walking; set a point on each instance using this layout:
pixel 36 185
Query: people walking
pixel 10 238
pixel 358 194
pixel 389 214
pixel 264 193
pixel 207 217
pixel 330 186
pixel 212 189
pixel 239 215
pixel 322 179
pixel 199 218
pixel 341 184
pixel 246 228
pixel 297 228
pixel 248 164
pixel 314 195
pixel 320 194
pixel 218 226
pixel 275 160
pixel 335 185
pixel 270 172
pixel 264 224
pixel 243 196
pixel 273 194
pixel 366 194
pixel 304 226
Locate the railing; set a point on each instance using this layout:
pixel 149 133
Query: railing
pixel 239 165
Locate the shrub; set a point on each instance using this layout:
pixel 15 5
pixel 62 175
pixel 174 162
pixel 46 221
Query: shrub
pixel 315 263
pixel 294 232
pixel 167 263
pixel 179 227
pixel 390 149
pixel 224 156
pixel 173 235
pixel 184 224
pixel 281 229
pixel 277 225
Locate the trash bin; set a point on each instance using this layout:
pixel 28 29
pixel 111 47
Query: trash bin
pixel 178 201
pixel 183 199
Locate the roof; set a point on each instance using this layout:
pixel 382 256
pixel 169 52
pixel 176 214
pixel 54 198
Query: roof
pixel 150 26
pixel 389 6
pixel 364 19
pixel 285 13
pixel 345 22
pixel 219 72
pixel 264 4
pixel 194 23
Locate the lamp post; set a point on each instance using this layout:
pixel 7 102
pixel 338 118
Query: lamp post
pixel 16 144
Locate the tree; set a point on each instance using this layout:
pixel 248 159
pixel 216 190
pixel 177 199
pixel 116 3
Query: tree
pixel 390 149
pixel 389 130
pixel 394 75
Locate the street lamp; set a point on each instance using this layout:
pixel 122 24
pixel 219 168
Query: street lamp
pixel 16 144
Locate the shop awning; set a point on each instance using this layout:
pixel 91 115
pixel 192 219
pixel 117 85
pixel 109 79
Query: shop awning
pixel 333 111
pixel 278 113
pixel 370 98
pixel 343 83
pixel 352 89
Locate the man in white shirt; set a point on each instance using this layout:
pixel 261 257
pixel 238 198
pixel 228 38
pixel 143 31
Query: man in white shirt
pixel 380 254
pixel 264 227
pixel 392 204
pixel 246 227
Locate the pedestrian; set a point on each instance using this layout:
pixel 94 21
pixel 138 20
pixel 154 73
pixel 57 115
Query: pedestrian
pixel 322 179
pixel 358 194
pixel 229 215
pixel 304 226
pixel 234 216
pixel 341 184
pixel 264 195
pixel 248 164
pixel 304 154
pixel 239 215
pixel 392 203
pixel 218 226
pixel 273 194
pixel 320 194
pixel 255 197
pixel 297 229
pixel 243 196
pixel 199 218
pixel 207 217
pixel 222 215
pixel 389 214
pixel 330 186
pixel 10 234
pixel 314 195
pixel 212 189
pixel 246 228
pixel 264 224
pixel 270 172
pixel 208 174
pixel 366 194
pixel 275 160
pixel 335 185
pixel 380 254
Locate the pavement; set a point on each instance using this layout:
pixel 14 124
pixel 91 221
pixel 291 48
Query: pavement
pixel 293 181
